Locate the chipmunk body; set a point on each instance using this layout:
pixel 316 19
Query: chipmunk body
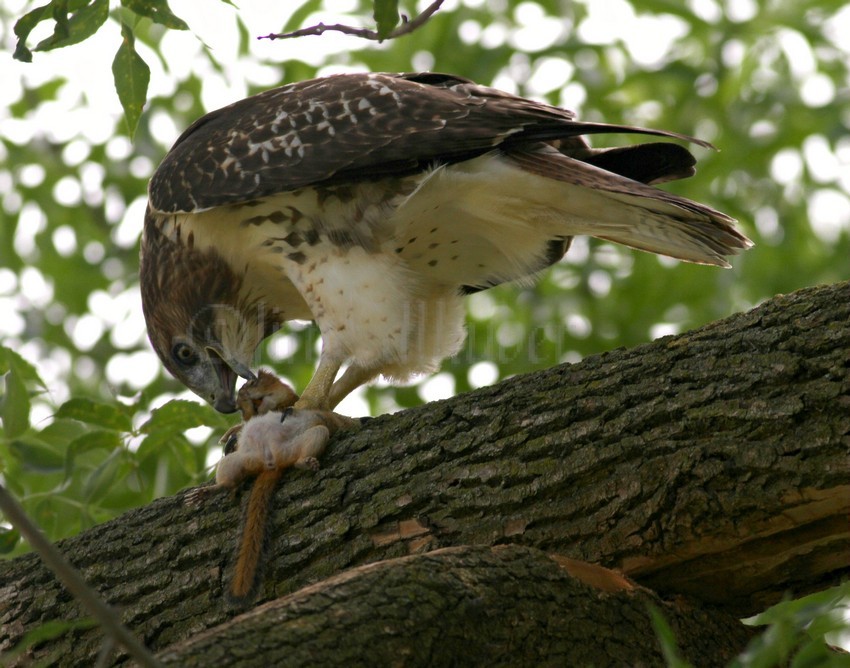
pixel 268 444
pixel 272 438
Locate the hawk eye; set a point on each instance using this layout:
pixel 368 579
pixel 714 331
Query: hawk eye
pixel 184 353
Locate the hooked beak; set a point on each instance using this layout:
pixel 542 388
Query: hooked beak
pixel 224 400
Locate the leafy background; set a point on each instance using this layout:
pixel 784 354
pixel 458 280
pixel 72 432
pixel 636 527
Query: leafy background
pixel 91 424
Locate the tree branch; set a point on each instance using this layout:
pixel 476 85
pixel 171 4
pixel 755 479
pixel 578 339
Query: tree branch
pixel 474 606
pixel 407 26
pixel 711 465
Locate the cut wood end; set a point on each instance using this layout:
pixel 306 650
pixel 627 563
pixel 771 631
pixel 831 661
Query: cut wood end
pixel 401 530
pixel 594 575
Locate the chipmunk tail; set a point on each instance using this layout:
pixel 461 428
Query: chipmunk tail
pixel 244 584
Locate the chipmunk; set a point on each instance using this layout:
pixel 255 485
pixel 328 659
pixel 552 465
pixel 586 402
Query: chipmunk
pixel 264 394
pixel 272 438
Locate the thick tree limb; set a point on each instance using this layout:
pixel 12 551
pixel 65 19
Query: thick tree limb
pixel 713 465
pixel 473 606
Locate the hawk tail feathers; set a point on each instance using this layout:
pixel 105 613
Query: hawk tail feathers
pixel 610 205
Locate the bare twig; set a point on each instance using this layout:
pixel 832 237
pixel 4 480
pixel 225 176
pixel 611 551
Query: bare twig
pixel 74 582
pixel 407 26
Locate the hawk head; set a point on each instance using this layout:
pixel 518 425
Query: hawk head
pixel 197 323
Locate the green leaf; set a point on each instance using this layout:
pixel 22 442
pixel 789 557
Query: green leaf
pixel 178 415
pixel 23 28
pixel 16 405
pixel 60 16
pixel 817 654
pixel 15 410
pixel 10 360
pixel 802 610
pixel 111 416
pixel 99 439
pixel 245 39
pixel 153 444
pixel 36 456
pixel 132 76
pixel 8 539
pixel 61 432
pixel 94 440
pixel 796 629
pixel 157 11
pixel 79 27
pixel 672 658
pixel 171 420
pixel 386 16
pixel 101 480
pixel 45 92
pixel 297 18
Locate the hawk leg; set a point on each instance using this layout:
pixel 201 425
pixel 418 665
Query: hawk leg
pixel 316 395
pixel 354 377
pixel 323 392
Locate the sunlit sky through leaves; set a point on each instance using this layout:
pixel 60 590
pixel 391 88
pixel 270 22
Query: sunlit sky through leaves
pixel 86 111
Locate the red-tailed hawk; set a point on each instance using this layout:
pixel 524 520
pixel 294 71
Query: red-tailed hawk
pixel 372 203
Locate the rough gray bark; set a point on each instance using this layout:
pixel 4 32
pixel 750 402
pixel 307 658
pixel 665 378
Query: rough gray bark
pixel 467 606
pixel 713 465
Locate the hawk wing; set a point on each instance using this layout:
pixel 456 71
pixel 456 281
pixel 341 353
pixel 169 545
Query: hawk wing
pixel 356 127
